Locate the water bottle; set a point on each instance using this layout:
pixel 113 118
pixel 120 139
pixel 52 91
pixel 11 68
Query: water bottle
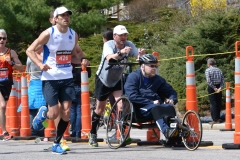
pixel 37 140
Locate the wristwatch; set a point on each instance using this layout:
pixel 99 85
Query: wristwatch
pixel 119 53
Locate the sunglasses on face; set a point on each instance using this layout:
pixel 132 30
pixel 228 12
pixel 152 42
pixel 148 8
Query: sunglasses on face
pixel 152 66
pixel 3 38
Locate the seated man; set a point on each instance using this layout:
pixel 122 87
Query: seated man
pixel 148 91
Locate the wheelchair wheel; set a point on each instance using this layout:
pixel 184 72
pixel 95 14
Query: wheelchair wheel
pixel 119 123
pixel 192 135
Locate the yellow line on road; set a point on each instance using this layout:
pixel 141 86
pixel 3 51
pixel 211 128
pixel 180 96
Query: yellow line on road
pixel 132 144
pixel 212 147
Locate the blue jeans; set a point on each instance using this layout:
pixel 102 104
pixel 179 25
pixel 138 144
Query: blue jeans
pixel 75 114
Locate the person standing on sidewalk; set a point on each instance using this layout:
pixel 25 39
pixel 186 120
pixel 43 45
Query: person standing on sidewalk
pixel 8 60
pixel 59 43
pixel 215 82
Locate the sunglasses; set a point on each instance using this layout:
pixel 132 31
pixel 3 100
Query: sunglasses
pixel 152 66
pixel 3 38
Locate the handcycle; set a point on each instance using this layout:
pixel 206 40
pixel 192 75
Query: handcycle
pixel 123 118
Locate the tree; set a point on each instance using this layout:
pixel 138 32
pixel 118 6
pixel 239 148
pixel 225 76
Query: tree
pixel 215 32
pixel 144 10
pixel 25 20
pixel 198 7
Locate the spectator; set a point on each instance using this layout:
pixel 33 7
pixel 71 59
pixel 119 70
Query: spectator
pixel 35 95
pixel 215 82
pixel 107 35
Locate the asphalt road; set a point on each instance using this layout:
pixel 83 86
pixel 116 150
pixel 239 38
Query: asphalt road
pixel 28 150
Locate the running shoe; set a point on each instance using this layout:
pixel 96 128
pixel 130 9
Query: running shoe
pixel 39 119
pixel 127 141
pixel 64 145
pixel 92 140
pixel 7 136
pixel 57 149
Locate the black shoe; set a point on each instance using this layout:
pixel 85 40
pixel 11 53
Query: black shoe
pixel 169 143
pixel 214 122
pixel 171 132
pixel 174 142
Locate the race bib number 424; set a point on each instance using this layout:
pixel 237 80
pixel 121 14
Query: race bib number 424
pixel 63 59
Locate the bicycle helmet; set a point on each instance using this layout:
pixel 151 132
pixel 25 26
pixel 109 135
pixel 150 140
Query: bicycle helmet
pixel 147 58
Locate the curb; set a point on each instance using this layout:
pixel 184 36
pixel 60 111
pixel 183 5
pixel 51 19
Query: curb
pixel 206 126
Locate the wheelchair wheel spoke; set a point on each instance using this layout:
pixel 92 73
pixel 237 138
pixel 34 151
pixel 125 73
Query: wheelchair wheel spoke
pixel 119 121
pixel 192 132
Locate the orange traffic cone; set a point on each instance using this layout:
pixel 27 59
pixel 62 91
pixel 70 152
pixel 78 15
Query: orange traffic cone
pixel 50 131
pixel 85 97
pixel 236 138
pixel 191 91
pixel 18 94
pixel 228 116
pixel 13 117
pixel 7 118
pixel 25 116
pixel 151 137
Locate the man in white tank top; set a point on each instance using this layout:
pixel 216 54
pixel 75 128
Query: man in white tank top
pixel 59 44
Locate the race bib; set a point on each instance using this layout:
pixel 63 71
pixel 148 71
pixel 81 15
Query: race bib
pixel 3 74
pixel 63 59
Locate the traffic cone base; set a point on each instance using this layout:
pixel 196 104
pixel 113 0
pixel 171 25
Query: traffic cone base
pixel 151 135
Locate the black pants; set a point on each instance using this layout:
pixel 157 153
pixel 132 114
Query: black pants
pixel 215 103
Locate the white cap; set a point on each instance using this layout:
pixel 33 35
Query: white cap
pixel 61 10
pixel 120 29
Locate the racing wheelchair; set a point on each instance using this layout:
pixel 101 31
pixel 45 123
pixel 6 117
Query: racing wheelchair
pixel 123 117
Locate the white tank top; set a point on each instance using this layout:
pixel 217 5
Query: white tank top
pixel 57 53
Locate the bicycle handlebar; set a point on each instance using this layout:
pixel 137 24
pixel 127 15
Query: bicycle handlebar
pixel 113 62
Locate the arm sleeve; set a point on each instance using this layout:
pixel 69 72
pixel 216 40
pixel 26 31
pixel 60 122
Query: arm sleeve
pixel 132 91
